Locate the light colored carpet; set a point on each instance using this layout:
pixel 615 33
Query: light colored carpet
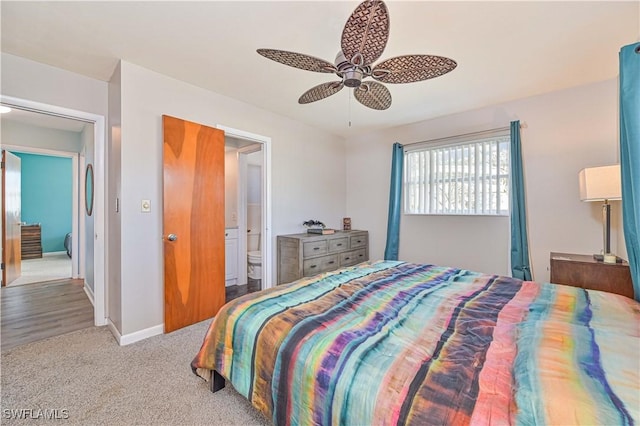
pixel 101 383
pixel 47 268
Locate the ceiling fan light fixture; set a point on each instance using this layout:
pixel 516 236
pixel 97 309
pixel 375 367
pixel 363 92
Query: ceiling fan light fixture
pixel 353 77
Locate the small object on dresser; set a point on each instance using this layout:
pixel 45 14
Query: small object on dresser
pixel 321 231
pixel 313 223
pixel 316 227
pixel 346 224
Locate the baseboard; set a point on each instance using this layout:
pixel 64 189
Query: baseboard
pixel 127 339
pixel 89 293
pixel 53 253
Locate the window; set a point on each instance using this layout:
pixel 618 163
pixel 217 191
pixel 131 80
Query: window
pixel 460 177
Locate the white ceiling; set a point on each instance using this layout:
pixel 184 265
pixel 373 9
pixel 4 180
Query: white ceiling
pixel 504 50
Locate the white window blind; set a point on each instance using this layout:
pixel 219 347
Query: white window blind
pixel 469 176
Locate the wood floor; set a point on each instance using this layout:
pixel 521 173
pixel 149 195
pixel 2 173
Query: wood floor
pixel 235 291
pixel 37 311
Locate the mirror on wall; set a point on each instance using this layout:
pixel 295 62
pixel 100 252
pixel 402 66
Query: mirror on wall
pixel 88 189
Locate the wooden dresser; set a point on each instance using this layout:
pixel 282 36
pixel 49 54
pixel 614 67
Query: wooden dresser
pixel 584 271
pixel 31 241
pixel 305 255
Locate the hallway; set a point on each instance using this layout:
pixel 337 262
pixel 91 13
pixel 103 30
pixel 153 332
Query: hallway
pixel 37 311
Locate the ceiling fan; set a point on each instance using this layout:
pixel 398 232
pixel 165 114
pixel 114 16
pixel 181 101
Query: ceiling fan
pixel 364 38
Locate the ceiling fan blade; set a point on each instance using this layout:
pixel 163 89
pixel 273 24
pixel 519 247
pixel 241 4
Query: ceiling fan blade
pixel 320 91
pixel 373 95
pixel 410 68
pixel 298 60
pixel 366 33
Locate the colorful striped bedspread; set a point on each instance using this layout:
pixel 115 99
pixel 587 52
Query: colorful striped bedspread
pixel 394 343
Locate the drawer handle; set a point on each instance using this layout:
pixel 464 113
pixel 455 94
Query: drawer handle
pixel 332 262
pixel 347 258
pixel 316 248
pixel 339 245
pixel 312 266
pixel 358 241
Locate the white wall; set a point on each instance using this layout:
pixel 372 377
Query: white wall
pixel 32 81
pixel 300 188
pixel 22 134
pixel 114 239
pixel 26 79
pixel 566 131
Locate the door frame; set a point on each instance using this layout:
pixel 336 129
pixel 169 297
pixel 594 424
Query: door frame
pixel 267 245
pixel 77 229
pixel 99 167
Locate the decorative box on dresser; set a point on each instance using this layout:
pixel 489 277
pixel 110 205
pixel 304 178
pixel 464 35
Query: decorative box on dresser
pixel 584 271
pixel 31 236
pixel 305 255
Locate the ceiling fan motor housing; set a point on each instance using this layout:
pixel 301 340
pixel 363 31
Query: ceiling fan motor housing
pixel 351 74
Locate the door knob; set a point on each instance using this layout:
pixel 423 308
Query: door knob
pixel 172 237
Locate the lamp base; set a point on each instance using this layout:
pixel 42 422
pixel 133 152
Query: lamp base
pixel 608 258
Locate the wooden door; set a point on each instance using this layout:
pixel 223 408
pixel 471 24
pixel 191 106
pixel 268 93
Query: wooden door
pixel 11 214
pixel 193 234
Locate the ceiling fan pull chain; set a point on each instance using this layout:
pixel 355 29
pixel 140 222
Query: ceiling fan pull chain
pixel 349 108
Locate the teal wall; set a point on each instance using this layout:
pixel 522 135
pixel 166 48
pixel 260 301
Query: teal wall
pixel 47 197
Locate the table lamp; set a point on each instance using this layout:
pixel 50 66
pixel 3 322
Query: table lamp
pixel 602 184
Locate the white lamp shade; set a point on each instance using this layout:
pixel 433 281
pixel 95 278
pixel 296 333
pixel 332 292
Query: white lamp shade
pixel 600 183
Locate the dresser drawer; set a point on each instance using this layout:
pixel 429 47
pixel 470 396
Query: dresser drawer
pixel 359 241
pixel 314 248
pixel 338 244
pixel 319 264
pixel 352 257
pixel 361 255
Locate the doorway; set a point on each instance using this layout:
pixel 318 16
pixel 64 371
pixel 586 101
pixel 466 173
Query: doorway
pixel 95 240
pixel 250 144
pixel 47 198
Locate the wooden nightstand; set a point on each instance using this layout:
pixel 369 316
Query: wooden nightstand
pixel 584 271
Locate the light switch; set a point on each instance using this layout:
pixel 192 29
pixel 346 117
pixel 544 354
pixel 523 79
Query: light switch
pixel 145 206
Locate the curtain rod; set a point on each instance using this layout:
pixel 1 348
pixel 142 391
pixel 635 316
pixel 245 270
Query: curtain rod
pixel 465 135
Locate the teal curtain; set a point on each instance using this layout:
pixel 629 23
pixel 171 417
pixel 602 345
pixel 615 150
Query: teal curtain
pixel 630 156
pixel 520 267
pixel 395 203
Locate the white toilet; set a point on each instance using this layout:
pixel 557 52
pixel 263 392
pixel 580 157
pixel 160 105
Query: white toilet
pixel 254 255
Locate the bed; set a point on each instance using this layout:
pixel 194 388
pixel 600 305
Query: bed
pixel 395 343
